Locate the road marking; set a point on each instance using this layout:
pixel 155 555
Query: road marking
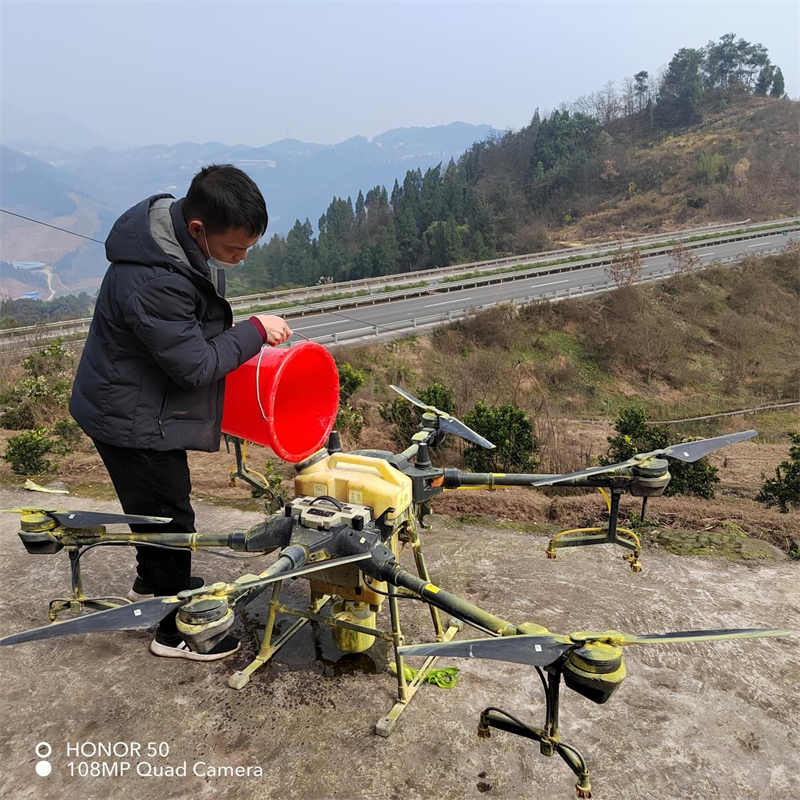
pixel 707 254
pixel 541 286
pixel 320 325
pixel 755 245
pixel 552 283
pixel 446 302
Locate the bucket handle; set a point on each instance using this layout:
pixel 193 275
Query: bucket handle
pixel 258 373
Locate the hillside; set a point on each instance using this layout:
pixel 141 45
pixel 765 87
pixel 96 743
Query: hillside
pixel 742 163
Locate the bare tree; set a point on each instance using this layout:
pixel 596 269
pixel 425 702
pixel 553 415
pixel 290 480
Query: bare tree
pixel 684 260
pixel 625 268
pixel 628 95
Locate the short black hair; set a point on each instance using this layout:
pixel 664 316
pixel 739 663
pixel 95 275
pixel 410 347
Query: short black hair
pixel 223 197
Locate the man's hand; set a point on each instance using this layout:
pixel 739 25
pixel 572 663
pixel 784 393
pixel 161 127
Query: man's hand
pixel 277 330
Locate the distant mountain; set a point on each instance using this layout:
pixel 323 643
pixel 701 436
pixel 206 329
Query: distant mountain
pixel 34 187
pixel 298 179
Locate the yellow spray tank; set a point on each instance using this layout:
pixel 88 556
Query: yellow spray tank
pixel 365 481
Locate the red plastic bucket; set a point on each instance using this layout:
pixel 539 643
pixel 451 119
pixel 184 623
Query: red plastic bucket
pixel 285 398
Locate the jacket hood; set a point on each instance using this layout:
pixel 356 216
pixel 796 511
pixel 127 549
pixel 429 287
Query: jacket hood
pixel 131 242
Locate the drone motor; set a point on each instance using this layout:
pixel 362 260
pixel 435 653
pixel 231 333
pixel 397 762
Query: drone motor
pixel 595 670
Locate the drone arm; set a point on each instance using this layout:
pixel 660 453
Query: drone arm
pixel 456 479
pixel 450 603
pixel 269 535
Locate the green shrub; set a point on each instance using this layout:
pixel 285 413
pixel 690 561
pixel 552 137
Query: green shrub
pixel 350 379
pixel 784 489
pixel 510 429
pixel 712 168
pixel 52 359
pixel 27 450
pixel 16 417
pixel 349 421
pixel 43 394
pixel 67 435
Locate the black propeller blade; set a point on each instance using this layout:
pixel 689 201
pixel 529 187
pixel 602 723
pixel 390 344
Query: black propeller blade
pixel 541 649
pixel 535 650
pixel 684 451
pixel 136 616
pixel 447 422
pixel 91 519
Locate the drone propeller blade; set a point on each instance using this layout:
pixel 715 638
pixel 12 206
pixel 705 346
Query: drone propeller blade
pixel 535 650
pixel 90 519
pixel 136 616
pixel 720 634
pixel 411 399
pixel 457 427
pixel 694 451
pixel 682 451
pixel 541 650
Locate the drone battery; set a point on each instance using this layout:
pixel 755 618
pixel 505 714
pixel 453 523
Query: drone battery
pixel 323 513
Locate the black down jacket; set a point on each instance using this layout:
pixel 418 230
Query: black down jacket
pixel 160 344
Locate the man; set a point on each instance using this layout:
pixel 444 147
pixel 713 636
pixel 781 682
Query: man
pixel 151 379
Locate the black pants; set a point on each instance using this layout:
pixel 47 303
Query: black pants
pixel 157 483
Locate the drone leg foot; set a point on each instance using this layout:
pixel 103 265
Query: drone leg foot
pixel 551 554
pixel 583 789
pixel 385 725
pixel 633 560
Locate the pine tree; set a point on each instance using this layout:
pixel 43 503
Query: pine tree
pixel 361 210
pixel 408 239
pixel 478 249
pixel 681 93
pixel 765 78
pixel 452 242
pixel 778 85
pixel 299 264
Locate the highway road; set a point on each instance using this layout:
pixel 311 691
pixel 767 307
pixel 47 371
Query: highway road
pixel 444 297
pixel 353 324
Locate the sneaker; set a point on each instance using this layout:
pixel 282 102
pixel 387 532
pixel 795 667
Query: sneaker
pixel 227 647
pixel 143 591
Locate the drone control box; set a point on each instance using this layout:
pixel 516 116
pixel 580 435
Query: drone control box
pixel 323 513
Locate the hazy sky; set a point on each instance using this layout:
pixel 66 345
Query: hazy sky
pixel 253 72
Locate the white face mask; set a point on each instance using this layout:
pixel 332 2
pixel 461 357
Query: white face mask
pixel 215 263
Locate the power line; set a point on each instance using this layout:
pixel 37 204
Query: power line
pixel 48 225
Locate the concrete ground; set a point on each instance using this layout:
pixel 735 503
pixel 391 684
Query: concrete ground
pixel 717 720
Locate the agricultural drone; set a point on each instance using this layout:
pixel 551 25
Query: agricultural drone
pixel 351 516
